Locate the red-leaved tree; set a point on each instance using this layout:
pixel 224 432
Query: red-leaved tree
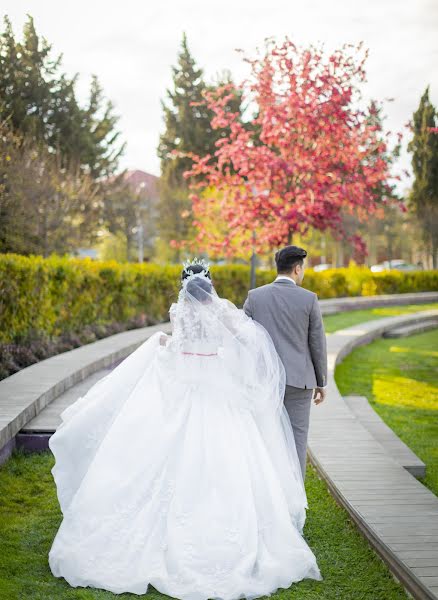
pixel 308 154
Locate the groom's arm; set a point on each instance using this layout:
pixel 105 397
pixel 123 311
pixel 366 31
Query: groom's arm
pixel 318 343
pixel 247 306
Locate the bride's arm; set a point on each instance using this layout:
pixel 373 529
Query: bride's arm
pixel 163 339
pixel 235 320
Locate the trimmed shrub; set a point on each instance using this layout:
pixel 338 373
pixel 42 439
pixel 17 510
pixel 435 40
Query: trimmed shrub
pixel 57 297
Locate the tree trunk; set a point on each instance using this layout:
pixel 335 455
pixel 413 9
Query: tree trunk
pixel 372 253
pixel 435 252
pixel 45 235
pixel 128 243
pixel 340 254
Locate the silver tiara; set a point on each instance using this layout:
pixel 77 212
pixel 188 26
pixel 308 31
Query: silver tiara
pixel 196 261
pixel 190 275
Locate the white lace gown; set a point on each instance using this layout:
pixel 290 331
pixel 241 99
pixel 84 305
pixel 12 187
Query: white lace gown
pixel 169 473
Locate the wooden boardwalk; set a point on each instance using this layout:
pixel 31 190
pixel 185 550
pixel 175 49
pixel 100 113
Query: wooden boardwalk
pixel 49 418
pixel 396 512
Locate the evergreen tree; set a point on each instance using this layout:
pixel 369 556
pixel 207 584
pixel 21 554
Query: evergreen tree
pixel 123 212
pixel 423 198
pixel 187 129
pixel 55 155
pixel 40 102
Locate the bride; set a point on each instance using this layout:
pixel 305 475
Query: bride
pixel 179 469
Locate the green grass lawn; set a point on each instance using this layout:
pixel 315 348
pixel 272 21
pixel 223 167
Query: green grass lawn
pixel 348 319
pixel 400 379
pixel 30 517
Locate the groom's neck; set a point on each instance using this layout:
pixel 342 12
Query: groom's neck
pixel 290 275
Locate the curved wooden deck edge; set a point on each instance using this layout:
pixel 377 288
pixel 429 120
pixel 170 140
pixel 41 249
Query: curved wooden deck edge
pixel 332 306
pixel 24 394
pixel 412 584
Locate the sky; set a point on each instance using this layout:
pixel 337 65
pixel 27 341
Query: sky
pixel 132 45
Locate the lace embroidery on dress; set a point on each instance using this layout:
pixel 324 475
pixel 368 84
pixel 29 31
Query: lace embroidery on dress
pixel 194 329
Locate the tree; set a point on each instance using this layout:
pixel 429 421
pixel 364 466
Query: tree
pixel 55 153
pixel 14 213
pixel 130 214
pixel 43 207
pixel 187 119
pixel 187 129
pixel 423 199
pixel 38 100
pixel 306 157
pixel 120 211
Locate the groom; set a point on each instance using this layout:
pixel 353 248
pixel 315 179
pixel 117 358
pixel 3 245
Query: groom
pixel 292 317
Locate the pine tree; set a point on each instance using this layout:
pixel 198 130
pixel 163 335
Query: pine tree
pixel 27 78
pixel 187 129
pixel 423 199
pixel 55 153
pixel 121 210
pixel 38 100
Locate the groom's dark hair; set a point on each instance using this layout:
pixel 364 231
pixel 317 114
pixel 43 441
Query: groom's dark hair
pixel 288 257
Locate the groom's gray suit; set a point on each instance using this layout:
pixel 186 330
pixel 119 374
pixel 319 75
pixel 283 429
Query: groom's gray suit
pixel 292 317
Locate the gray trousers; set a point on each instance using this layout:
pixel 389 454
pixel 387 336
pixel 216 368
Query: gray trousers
pixel 297 402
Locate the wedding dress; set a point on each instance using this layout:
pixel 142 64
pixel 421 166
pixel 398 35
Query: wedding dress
pixel 179 469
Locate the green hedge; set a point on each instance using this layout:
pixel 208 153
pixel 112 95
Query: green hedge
pixel 56 295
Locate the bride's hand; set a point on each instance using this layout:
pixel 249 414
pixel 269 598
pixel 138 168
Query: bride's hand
pixel 163 339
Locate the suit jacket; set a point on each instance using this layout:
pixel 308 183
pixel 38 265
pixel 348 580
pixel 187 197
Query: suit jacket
pixel 292 317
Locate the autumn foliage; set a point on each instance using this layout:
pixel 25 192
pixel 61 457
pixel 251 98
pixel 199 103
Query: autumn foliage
pixel 308 153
